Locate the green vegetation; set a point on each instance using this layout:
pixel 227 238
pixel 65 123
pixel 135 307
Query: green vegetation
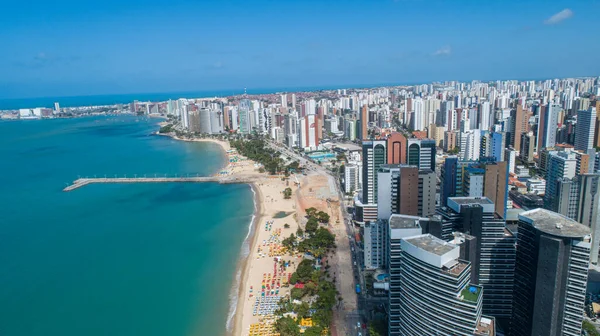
pixel 166 129
pixel 287 193
pixel 287 326
pixel 468 296
pixel 289 242
pixel 257 150
pixel 322 217
pixel 316 283
pixel 589 328
pixel 312 225
pixel 286 226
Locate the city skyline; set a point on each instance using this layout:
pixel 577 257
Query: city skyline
pixel 159 47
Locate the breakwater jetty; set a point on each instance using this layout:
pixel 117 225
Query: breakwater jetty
pixel 80 182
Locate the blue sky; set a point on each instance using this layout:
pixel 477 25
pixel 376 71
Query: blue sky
pixel 64 48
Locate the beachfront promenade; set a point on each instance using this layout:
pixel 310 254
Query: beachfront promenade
pixel 219 179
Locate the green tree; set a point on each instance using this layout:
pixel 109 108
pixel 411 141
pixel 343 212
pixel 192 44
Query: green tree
pixel 304 270
pixel 312 225
pixel 286 226
pixel 289 242
pixel 590 329
pixel 311 212
pixel 313 331
pixel 299 232
pixel 302 309
pixel 287 193
pixel 297 293
pixel 322 217
pixel 287 326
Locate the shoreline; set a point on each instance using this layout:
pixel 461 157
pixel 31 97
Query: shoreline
pixel 255 260
pixel 235 315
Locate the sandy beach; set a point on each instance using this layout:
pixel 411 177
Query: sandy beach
pixel 259 267
pixel 263 280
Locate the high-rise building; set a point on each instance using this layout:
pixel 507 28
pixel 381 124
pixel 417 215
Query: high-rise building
pixel 418 120
pixel 520 125
pixel 194 121
pixel 495 184
pixel 579 199
pixel 548 125
pixel 561 164
pixel 449 141
pixel 205 119
pixel 376 235
pixel 244 113
pixel 527 147
pixel 309 136
pixel 450 178
pixel 464 178
pixel 421 153
pixel 364 123
pixel 597 125
pixel 352 177
pixel 588 209
pixel 485 116
pixel 374 155
pixel 584 135
pixel 56 108
pixel 397 187
pixel 396 147
pixel 430 292
pixel 494 258
pixel 551 273
pixel 427 192
pixel 470 145
pixel 226 123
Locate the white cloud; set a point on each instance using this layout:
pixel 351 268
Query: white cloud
pixel 559 17
pixel 443 51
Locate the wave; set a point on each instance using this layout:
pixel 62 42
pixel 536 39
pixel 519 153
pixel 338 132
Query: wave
pixel 244 253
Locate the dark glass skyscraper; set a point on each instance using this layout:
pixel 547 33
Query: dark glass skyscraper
pixel 553 254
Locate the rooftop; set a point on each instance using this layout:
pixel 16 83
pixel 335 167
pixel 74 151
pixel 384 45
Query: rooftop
pixel 455 269
pixel 431 244
pixel 471 200
pixel 471 293
pixel 404 222
pixel 554 224
pixel 485 327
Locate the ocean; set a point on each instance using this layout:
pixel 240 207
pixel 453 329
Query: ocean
pixel 111 99
pixel 137 259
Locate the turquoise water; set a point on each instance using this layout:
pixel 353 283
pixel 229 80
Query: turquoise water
pixel 322 156
pixel 137 259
